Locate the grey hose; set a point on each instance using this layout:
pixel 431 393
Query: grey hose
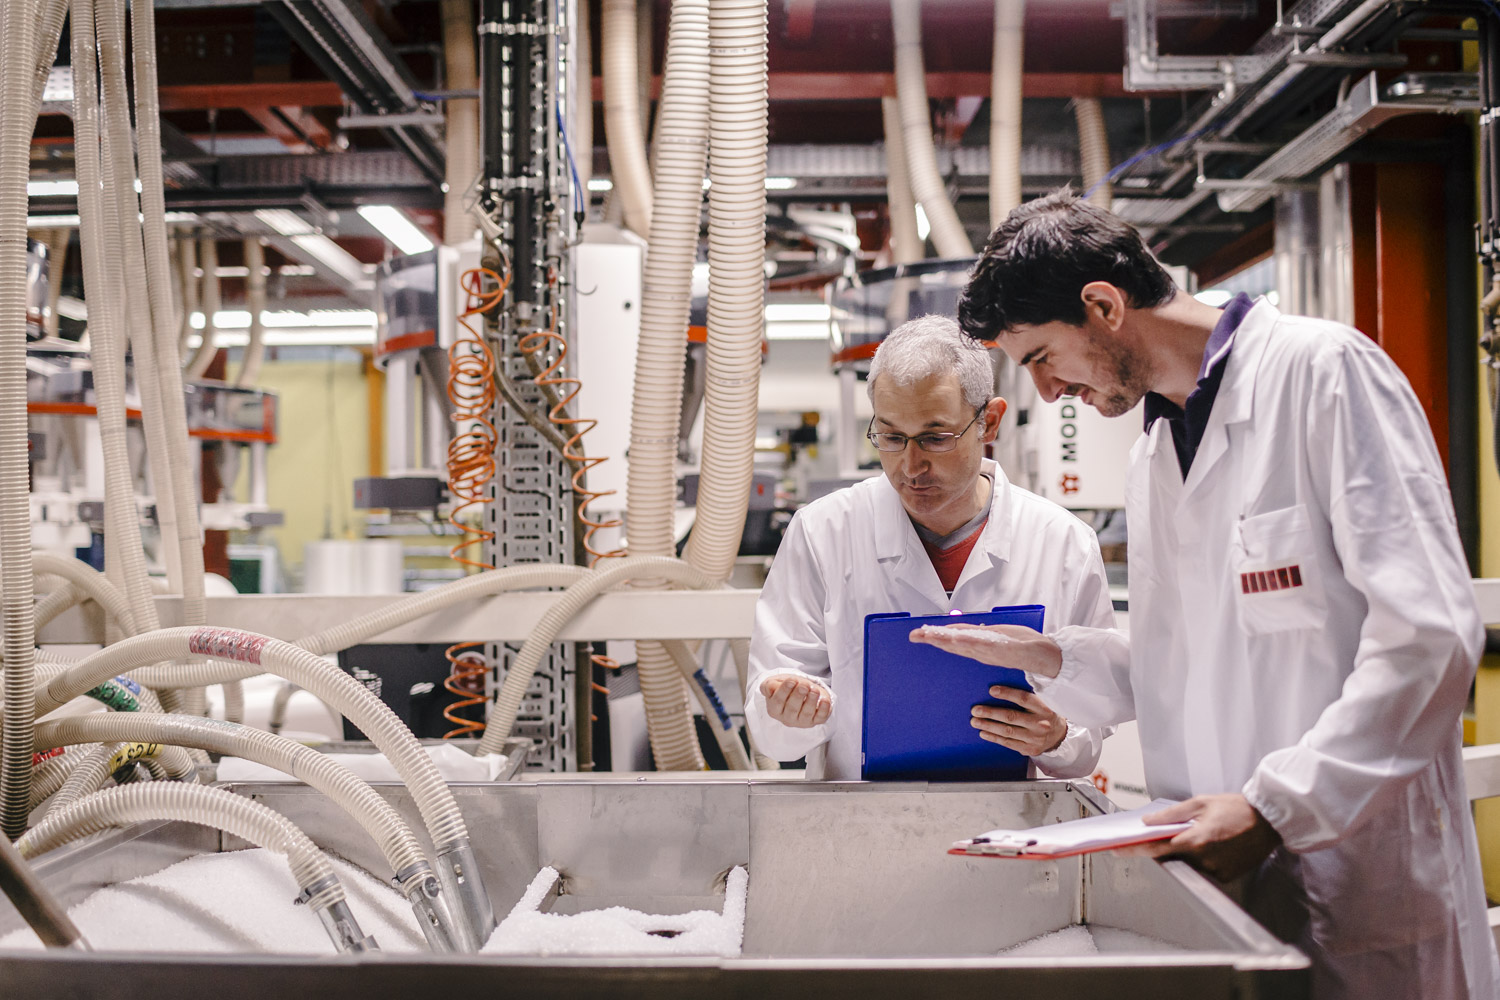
pixel 513 691
pixel 413 873
pixel 255 296
pixel 50 774
pixel 208 254
pixel 728 739
pixel 457 868
pixel 90 583
pixel 18 19
pixel 216 808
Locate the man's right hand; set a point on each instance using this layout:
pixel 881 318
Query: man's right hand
pixel 796 701
pixel 1012 646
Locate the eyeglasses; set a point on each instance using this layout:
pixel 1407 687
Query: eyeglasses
pixel 935 443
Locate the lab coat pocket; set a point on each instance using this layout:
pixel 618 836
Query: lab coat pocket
pixel 1276 577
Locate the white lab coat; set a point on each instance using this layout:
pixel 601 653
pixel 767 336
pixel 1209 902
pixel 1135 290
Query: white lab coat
pixel 1333 705
pixel 855 553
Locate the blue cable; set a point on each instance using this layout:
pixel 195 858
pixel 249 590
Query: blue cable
pixel 581 205
pixel 1160 147
pixel 713 699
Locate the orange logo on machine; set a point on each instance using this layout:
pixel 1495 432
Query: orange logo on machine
pixel 1068 483
pixel 1101 781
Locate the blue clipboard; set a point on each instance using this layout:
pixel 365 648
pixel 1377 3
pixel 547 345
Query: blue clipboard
pixel 917 701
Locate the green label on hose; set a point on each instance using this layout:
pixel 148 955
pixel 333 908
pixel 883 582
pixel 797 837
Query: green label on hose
pixel 116 697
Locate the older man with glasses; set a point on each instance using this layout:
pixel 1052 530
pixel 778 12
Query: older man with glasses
pixel 941 531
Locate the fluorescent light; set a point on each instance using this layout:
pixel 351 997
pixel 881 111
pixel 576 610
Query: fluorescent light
pixel 300 337
pixel 284 222
pixel 796 331
pixel 72 308
pixel 798 312
pixel 51 221
pixel 601 184
pixel 1213 297
pixel 923 226
pixel 396 227
pixel 43 189
pixel 780 183
pixel 335 257
pixel 289 319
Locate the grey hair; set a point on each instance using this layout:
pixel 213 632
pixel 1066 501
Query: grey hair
pixel 934 345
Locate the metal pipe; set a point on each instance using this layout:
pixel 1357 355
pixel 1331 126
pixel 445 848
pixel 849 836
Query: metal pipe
pixel 35 901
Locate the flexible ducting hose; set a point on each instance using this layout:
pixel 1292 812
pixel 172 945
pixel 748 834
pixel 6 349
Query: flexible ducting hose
pixel 740 650
pixel 666 300
pixel 255 301
pixel 461 138
pixel 90 583
pixel 187 278
pixel 120 197
pixel 221 810
pixel 16 603
pixel 1006 75
pixel 445 824
pixel 622 115
pixel 736 288
pixel 713 710
pixel 50 17
pixel 583 99
pixel 189 581
pixel 906 243
pixel 413 873
pixel 513 691
pixel 916 127
pixel 51 773
pixel 1093 150
pixel 208 257
pixel 97 765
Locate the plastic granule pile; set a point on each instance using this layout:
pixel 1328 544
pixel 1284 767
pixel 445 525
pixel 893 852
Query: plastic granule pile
pixel 618 930
pixel 1079 940
pixel 453 763
pixel 239 901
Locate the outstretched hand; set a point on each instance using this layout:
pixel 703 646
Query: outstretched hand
pixel 1013 646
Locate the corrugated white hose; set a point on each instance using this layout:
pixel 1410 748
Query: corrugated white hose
pixel 367 626
pixel 461 136
pixel 50 19
pixel 50 774
pixel 583 98
pixel 168 352
pixel 456 866
pixel 56 602
pixel 916 126
pixel 89 583
pixel 187 277
pixel 906 242
pixel 255 301
pixel 728 739
pixel 17 610
pixel 622 115
pixel 1093 150
pixel 120 197
pixel 208 257
pixel 104 282
pixel 1006 74
pixel 413 874
pixel 736 283
pixel 666 300
pixel 220 810
pixel 615 571
pixel 86 777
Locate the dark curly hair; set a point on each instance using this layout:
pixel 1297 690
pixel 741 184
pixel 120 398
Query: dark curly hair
pixel 1037 261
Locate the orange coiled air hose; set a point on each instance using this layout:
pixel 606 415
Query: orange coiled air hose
pixel 533 343
pixel 471 468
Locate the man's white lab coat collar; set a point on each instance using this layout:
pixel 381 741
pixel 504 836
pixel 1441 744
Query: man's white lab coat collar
pixel 996 537
pixel 1235 401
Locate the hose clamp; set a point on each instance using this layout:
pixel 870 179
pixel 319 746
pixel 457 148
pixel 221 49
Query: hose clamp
pixel 314 889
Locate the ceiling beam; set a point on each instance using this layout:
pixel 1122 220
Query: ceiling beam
pixel 299 93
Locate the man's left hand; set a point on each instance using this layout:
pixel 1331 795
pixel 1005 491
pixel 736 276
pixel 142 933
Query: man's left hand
pixel 1031 728
pixel 1227 839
